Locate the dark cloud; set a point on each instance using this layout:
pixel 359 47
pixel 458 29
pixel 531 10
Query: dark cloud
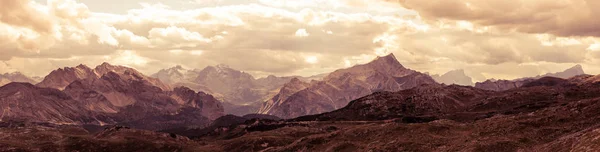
pixel 562 18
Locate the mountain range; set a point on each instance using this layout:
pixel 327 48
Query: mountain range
pixel 342 86
pixel 240 92
pixel 501 85
pixel 106 95
pixel 116 108
pixel 546 114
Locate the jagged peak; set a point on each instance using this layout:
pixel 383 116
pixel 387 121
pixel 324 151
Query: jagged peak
pixel 295 80
pixel 389 56
pixel 577 67
pixel 389 59
pixel 105 65
pixel 82 66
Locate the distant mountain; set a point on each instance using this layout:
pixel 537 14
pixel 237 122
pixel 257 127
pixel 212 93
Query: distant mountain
pixel 108 95
pixel 454 77
pixel 286 91
pixel 568 73
pixel 62 77
pixel 240 92
pixel 342 86
pixel 501 85
pixel 15 77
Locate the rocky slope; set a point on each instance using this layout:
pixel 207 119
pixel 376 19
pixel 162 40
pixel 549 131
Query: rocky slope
pixel 342 86
pixel 119 96
pixel 24 101
pixel 286 91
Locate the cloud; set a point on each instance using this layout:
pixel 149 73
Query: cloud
pixel 300 37
pixel 558 17
pixel 22 13
pixel 302 33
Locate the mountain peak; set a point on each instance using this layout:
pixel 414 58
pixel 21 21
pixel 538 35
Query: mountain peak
pixel 390 56
pixel 295 80
pixel 105 64
pixel 577 68
pixel 82 66
pixel 388 60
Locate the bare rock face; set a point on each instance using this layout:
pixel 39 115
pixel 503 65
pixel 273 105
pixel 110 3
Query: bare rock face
pixel 105 68
pixel 210 106
pixel 342 86
pixel 61 78
pixel 286 91
pixel 120 95
pixel 24 101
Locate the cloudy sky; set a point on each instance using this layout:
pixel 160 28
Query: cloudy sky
pixel 488 38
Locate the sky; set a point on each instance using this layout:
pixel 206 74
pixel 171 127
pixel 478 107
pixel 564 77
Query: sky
pixel 487 38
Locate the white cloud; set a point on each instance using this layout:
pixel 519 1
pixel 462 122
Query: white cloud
pixel 301 33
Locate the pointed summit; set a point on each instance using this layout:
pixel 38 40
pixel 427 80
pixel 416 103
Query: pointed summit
pixel 576 69
pixel 389 56
pixel 82 66
pixel 568 73
pixel 105 64
pixel 388 60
